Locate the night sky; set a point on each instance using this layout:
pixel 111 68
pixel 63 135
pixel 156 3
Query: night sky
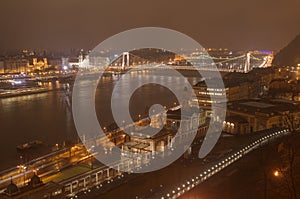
pixel 65 24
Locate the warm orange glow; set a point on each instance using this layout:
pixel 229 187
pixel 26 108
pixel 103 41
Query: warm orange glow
pixel 276 173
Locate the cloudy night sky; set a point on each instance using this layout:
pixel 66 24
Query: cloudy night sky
pixel 65 24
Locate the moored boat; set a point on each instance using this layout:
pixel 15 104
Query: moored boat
pixel 29 145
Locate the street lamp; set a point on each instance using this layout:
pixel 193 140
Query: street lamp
pixel 123 122
pixel 24 173
pixel 277 173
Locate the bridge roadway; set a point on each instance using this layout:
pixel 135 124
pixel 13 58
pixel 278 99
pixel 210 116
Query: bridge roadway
pixel 185 68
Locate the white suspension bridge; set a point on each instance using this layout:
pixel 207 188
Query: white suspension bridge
pixel 228 63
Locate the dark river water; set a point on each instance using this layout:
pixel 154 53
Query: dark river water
pixel 47 117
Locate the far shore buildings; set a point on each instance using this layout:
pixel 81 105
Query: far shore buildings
pixel 25 65
pixel 286 83
pixel 288 72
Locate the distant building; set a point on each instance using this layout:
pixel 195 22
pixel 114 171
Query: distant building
pixel 70 62
pixel 247 116
pixel 188 122
pixel 99 61
pixel 284 89
pixel 15 65
pixel 21 64
pixel 84 62
pixel 55 63
pixel 142 141
pixel 288 72
pixel 1 67
pixel 37 64
pixel 233 90
pixel 237 86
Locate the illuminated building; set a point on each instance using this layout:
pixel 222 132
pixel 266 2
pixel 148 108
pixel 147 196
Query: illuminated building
pixel 1 67
pixel 34 189
pixel 37 65
pixel 20 64
pixel 141 139
pixel 247 116
pixel 15 65
pixel 237 86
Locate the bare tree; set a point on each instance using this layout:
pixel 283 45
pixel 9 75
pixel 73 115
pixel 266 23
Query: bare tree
pixel 287 165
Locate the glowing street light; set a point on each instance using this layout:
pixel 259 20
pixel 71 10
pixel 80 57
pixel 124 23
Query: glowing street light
pixel 276 173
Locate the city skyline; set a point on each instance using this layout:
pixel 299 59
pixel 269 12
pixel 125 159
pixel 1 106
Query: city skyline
pixel 150 99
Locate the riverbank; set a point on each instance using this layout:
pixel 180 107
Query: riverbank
pixel 23 91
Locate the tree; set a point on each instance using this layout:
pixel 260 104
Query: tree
pixel 287 159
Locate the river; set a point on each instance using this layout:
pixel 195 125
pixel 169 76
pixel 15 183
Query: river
pixel 47 117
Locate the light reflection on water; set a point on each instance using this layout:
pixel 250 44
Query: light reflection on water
pixel 46 116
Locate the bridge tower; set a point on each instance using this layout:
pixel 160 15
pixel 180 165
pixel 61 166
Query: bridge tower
pixel 247 62
pixel 80 59
pixel 125 59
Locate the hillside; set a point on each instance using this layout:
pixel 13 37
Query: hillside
pixel 289 55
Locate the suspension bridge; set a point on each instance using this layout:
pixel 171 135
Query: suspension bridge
pixel 227 63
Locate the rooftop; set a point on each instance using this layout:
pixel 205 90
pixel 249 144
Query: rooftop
pixel 265 106
pixel 184 114
pixel 236 118
pixel 147 133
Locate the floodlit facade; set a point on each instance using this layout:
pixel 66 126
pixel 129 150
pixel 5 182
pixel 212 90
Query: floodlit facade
pixel 248 116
